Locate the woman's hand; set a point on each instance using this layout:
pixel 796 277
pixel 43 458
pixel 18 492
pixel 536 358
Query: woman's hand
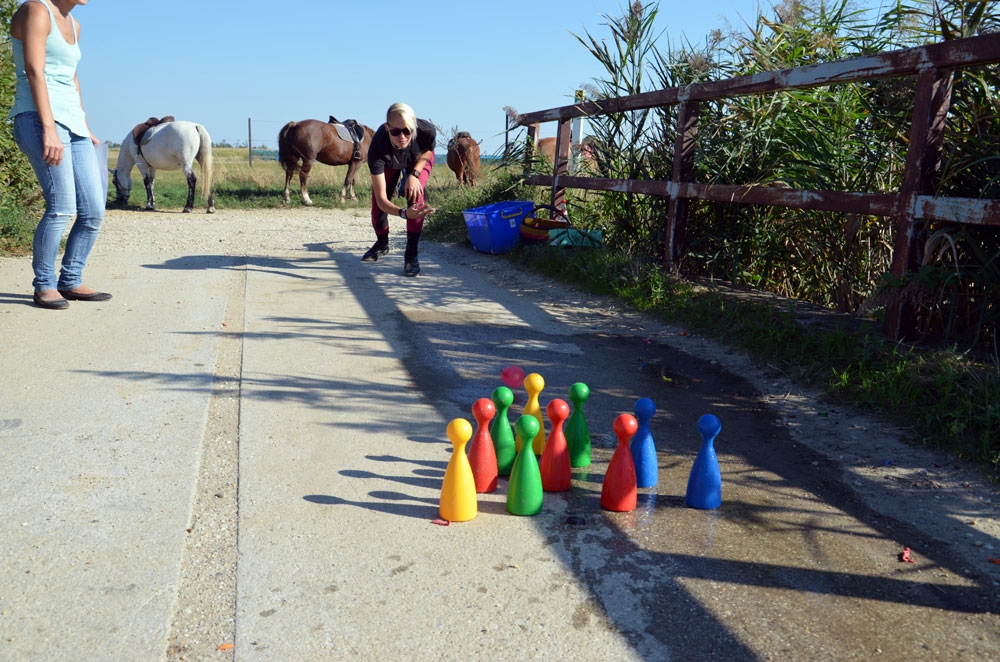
pixel 419 210
pixel 52 147
pixel 412 188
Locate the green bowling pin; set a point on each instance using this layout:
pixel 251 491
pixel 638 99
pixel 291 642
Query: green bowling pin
pixel 524 492
pixel 501 432
pixel 576 431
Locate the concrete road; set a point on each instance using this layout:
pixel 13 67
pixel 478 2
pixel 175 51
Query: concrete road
pixel 241 457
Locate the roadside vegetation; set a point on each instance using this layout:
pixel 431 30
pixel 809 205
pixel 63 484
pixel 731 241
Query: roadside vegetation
pixel 944 389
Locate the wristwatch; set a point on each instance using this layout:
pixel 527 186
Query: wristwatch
pixel 402 213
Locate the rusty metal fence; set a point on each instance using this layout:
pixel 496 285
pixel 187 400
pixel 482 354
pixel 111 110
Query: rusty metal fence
pixel 913 206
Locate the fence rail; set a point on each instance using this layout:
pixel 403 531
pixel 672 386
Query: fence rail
pixel 912 207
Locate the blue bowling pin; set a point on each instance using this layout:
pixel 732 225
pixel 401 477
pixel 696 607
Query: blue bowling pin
pixel 704 490
pixel 642 448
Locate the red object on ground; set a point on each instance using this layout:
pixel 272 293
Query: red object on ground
pixel 904 557
pixel 512 376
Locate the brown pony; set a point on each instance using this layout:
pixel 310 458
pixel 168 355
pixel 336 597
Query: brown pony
pixel 309 141
pixel 463 158
pixel 586 154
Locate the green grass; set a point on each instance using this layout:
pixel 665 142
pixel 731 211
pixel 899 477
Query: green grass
pixel 945 398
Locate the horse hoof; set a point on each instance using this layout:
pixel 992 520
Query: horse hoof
pixel 210 210
pixel 187 210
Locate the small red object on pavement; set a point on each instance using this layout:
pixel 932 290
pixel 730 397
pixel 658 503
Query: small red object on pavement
pixel 904 557
pixel 441 522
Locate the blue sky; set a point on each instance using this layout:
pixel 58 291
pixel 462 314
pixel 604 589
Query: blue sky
pixel 457 63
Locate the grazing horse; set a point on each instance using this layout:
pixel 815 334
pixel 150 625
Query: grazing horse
pixel 309 141
pixel 463 158
pixel 167 146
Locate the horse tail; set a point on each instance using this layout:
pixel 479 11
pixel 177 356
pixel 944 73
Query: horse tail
pixel 285 156
pixel 206 161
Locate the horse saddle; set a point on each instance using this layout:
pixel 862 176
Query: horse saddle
pixel 351 131
pixel 140 130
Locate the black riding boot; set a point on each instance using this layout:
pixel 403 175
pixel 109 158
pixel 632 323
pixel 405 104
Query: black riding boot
pixel 380 247
pixel 411 266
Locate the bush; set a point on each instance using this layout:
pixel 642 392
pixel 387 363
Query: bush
pixel 20 199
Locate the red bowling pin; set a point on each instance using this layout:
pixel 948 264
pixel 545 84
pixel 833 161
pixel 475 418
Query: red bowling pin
pixel 556 474
pixel 619 491
pixel 482 454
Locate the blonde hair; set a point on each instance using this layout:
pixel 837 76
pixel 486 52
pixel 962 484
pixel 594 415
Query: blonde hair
pixel 405 113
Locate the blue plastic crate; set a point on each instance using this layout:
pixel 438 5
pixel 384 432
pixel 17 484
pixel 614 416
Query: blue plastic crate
pixel 495 228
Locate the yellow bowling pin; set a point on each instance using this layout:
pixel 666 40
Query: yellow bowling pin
pixel 534 384
pixel 458 493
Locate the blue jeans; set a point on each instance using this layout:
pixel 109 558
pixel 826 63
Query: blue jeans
pixel 72 188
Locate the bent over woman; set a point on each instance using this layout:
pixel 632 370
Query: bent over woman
pixel 403 143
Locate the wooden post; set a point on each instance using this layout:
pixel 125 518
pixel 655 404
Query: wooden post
pixel 677 211
pixel 561 165
pixel 923 170
pixel 506 136
pixel 529 152
pixel 249 143
pixel 577 137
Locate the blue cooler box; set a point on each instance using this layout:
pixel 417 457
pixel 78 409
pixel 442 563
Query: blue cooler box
pixel 495 228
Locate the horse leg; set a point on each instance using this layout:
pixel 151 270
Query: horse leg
pixel 303 177
pixel 149 180
pixel 288 178
pixel 348 188
pixel 191 180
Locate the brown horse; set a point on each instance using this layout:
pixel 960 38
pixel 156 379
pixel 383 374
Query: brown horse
pixel 586 154
pixel 300 144
pixel 463 158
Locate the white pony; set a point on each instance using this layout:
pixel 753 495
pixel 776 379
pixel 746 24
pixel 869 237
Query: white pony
pixel 167 146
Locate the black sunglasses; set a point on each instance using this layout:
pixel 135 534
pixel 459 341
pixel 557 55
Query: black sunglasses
pixel 395 133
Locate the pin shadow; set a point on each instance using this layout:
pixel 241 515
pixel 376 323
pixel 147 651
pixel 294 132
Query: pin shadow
pixel 395 503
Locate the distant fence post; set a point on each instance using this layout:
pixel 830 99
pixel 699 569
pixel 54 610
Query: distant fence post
pixel 529 152
pixel 249 143
pixel 577 136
